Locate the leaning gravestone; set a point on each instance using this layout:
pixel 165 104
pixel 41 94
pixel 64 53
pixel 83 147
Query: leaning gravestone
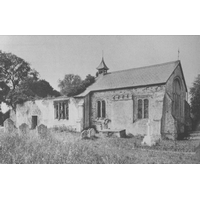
pixel 42 130
pixel 24 129
pixel 9 126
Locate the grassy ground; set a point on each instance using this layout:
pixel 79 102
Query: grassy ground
pixel 66 147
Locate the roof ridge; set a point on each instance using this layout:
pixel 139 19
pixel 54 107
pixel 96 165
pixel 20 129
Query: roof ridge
pixel 144 67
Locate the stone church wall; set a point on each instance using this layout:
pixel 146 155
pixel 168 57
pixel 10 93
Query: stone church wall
pixel 170 122
pixel 121 108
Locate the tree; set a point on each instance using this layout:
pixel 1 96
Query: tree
pixel 40 88
pixel 19 83
pixel 73 85
pixel 13 70
pixel 195 100
pixel 70 85
pixel 30 89
pixel 89 80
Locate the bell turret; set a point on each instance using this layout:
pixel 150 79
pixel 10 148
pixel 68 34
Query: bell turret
pixel 102 68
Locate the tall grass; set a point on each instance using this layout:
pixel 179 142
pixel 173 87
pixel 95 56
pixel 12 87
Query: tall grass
pixel 29 149
pixel 25 149
pixel 66 147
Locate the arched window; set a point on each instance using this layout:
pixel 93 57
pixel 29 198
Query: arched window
pixel 101 109
pixel 143 108
pixel 176 98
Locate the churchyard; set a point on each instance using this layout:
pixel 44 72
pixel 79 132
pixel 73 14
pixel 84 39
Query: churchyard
pixel 61 145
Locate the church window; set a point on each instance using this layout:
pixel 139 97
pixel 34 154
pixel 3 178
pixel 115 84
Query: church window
pixel 101 109
pixel 176 98
pixel 146 108
pixel 61 110
pixel 143 108
pixel 98 109
pixel 140 109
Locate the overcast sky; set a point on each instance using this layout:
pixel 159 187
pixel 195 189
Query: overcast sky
pixel 54 56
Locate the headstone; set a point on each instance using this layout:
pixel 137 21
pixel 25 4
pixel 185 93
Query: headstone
pixel 197 152
pixel 84 134
pixel 150 139
pixel 122 133
pixel 42 130
pixel 69 128
pixel 92 132
pixel 24 129
pixel 9 126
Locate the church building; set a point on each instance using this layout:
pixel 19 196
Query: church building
pixel 134 99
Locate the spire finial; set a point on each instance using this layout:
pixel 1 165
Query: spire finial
pixel 102 54
pixel 178 53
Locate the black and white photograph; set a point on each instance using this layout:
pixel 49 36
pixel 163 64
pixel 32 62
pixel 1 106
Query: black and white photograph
pixel 99 99
pixel 94 99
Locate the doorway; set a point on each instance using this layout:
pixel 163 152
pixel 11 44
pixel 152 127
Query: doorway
pixel 34 122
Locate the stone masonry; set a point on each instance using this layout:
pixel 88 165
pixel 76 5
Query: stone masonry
pixel 123 111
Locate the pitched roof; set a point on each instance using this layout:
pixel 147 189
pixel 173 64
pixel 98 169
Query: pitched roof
pixel 142 76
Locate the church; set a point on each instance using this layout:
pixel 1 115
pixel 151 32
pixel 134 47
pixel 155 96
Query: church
pixel 134 99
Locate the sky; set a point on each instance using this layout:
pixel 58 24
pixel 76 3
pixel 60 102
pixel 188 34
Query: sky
pixel 55 56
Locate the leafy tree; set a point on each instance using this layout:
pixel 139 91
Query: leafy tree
pixel 19 83
pixel 73 85
pixel 30 89
pixel 195 100
pixel 70 85
pixel 13 70
pixel 88 80
pixel 39 88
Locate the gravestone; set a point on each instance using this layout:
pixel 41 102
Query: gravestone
pixel 197 150
pixel 84 134
pixel 92 132
pixel 42 130
pixel 24 129
pixel 9 126
pixel 151 138
pixel 69 128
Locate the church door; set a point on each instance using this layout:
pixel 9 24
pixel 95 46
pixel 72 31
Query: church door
pixel 34 122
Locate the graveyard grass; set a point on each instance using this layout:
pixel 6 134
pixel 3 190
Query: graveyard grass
pixel 62 146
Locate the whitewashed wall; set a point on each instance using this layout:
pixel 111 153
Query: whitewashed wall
pixel 44 110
